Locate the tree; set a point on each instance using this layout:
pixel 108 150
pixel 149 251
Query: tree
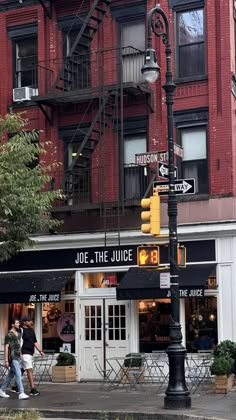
pixel 25 196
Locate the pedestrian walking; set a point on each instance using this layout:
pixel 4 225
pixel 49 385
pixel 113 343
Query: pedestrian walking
pixel 29 344
pixel 13 360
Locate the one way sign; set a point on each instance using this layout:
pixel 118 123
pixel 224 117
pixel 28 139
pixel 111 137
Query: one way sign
pixel 182 186
pixel 163 170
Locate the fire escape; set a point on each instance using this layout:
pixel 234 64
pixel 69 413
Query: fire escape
pixel 87 78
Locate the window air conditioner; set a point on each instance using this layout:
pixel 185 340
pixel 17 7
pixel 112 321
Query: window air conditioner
pixel 24 93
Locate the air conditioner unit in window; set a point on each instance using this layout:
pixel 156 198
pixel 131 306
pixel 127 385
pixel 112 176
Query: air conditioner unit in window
pixel 24 93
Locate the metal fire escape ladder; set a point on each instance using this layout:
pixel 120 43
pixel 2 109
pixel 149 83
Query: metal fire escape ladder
pixel 83 40
pixel 92 137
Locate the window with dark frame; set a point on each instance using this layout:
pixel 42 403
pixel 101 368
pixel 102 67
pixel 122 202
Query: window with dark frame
pixel 132 42
pixel 77 71
pixel 190 44
pixel 194 164
pixel 25 64
pixel 135 176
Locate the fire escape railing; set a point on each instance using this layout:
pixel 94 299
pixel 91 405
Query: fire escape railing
pixel 78 188
pixel 81 72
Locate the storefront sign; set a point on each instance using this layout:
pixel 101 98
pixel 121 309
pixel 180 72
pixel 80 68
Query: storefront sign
pixel 44 297
pixel 75 258
pixel 106 256
pixel 66 347
pixel 184 293
pixel 66 327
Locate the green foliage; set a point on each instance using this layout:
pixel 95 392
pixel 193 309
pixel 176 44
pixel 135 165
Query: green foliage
pixel 25 196
pixel 221 366
pixel 65 359
pixel 20 415
pixel 226 349
pixel 133 360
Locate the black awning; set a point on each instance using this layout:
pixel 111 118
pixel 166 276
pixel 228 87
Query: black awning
pixel 145 284
pixel 32 287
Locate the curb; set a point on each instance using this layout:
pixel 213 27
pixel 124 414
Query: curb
pixel 112 415
pixel 118 415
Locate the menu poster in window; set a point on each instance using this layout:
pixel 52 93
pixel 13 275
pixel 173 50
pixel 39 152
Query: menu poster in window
pixel 66 327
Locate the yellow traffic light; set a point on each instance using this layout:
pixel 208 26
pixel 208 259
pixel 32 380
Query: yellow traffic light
pixel 181 256
pixel 151 215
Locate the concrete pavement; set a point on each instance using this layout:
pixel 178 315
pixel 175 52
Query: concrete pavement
pixel 88 401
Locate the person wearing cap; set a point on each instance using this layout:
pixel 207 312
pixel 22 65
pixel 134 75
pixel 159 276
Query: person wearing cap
pixel 29 344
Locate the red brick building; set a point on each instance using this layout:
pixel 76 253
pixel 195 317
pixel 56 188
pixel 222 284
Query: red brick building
pixel 75 68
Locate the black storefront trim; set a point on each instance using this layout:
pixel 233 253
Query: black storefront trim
pixel 138 284
pixel 32 287
pixel 97 257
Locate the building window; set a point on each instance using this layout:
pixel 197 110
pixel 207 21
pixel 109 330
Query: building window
pixel 135 177
pixel 194 163
pixel 77 69
pixel 190 44
pixel 133 47
pixel 58 325
pixel 26 57
pixel 77 180
pixel 201 323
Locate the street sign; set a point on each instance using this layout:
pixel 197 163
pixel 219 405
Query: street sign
pixel 154 157
pixel 182 186
pixel 178 150
pixel 163 170
pixel 164 280
pixel 144 158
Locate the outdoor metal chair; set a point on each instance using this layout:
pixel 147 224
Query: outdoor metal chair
pixel 42 369
pixel 104 373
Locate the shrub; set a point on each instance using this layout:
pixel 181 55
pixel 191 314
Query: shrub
pixel 65 359
pixel 221 366
pixel 133 360
pixel 226 349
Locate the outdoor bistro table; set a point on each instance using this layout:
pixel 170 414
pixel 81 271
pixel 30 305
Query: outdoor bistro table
pixel 124 373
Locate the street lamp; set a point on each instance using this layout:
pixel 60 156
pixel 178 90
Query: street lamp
pixel 177 394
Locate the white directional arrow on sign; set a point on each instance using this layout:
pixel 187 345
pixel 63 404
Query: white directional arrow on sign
pixel 163 170
pixel 183 186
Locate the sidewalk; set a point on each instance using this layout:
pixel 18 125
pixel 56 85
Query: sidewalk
pixel 86 401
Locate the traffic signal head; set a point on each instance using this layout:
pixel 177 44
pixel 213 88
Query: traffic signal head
pixel 151 215
pixel 181 256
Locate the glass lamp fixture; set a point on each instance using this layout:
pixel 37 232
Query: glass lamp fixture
pixel 150 69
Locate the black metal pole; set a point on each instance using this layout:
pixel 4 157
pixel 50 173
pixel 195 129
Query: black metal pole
pixel 177 394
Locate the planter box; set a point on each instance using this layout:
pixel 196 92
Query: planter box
pixel 224 384
pixel 64 374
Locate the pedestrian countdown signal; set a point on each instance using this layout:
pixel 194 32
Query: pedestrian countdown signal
pixel 148 256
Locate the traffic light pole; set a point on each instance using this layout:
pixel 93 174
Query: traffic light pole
pixel 177 394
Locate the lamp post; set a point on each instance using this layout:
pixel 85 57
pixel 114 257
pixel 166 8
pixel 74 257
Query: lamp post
pixel 177 394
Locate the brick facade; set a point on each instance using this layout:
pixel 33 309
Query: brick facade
pixel 214 93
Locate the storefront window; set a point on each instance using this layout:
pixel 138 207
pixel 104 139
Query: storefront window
pixel 58 323
pixel 101 280
pixel 154 319
pixel 18 310
pixel 201 323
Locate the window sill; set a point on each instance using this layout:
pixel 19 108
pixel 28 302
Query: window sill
pixel 24 104
pixel 193 79
pixel 194 197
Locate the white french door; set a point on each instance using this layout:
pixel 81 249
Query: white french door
pixel 104 332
